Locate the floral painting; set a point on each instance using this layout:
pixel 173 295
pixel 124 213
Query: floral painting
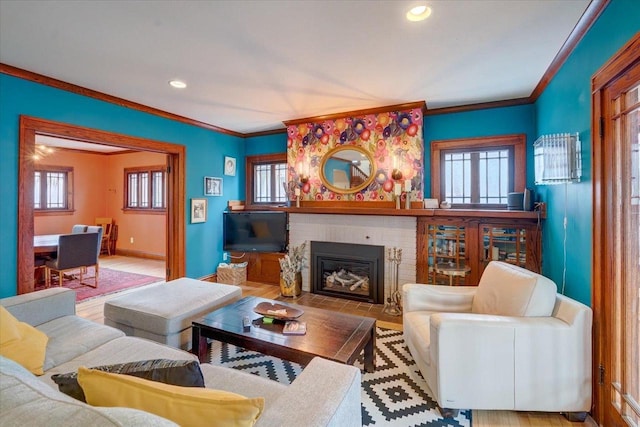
pixel 394 140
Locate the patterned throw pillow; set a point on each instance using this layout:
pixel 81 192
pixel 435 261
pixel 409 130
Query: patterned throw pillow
pixel 184 373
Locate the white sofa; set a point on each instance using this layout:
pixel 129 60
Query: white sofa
pixel 512 343
pixel 326 393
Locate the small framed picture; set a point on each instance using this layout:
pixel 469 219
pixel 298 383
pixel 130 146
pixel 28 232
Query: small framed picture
pixel 212 186
pixel 198 210
pixel 229 166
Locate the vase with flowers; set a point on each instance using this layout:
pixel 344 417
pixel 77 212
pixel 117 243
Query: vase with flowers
pixel 291 266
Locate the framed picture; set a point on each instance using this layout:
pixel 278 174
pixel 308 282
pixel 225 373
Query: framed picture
pixel 212 186
pixel 198 210
pixel 229 166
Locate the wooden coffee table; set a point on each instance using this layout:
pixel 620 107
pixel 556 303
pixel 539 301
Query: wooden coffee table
pixel 331 335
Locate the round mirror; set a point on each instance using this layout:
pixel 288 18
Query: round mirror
pixel 346 169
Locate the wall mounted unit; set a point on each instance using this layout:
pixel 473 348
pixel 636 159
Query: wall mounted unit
pixel 558 158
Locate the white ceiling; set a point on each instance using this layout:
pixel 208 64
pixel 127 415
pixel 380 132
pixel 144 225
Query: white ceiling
pixel 51 141
pixel 250 65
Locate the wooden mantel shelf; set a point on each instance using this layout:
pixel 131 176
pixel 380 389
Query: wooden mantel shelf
pixel 458 213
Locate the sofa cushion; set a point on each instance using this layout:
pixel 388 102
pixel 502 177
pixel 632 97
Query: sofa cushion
pixel 120 350
pixel 184 373
pixel 187 406
pixel 71 336
pixel 22 342
pixel 26 401
pixel 508 290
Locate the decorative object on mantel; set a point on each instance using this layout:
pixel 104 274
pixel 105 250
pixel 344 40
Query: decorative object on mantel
pixel 393 307
pixel 558 160
pixel 431 203
pixel 291 266
pixel 296 192
pixel 397 192
pixel 407 190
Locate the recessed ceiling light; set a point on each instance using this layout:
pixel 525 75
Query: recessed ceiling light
pixel 178 84
pixel 418 13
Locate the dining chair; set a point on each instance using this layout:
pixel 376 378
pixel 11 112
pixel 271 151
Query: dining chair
pixel 75 252
pixel 107 226
pixel 79 228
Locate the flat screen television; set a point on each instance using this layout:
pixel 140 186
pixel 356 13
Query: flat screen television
pixel 255 231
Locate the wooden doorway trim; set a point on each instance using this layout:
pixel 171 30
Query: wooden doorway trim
pixel 603 223
pixel 31 126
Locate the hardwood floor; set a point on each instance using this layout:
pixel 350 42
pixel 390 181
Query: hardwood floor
pixel 94 310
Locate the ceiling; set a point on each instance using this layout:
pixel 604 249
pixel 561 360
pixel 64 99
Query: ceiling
pixel 250 65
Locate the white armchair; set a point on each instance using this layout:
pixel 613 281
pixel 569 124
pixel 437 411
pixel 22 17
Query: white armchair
pixel 512 343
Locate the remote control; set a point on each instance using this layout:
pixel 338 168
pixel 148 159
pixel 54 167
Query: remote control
pixel 246 323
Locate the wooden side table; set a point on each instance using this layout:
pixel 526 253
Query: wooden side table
pixel 452 270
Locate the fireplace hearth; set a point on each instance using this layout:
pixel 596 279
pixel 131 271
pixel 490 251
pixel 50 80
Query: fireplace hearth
pixel 347 270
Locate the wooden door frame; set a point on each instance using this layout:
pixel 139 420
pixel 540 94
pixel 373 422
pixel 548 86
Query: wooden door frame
pixel 176 158
pixel 602 186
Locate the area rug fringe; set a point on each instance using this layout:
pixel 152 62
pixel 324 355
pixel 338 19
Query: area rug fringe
pixel 395 394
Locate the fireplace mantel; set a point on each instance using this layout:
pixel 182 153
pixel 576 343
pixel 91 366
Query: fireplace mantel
pixel 456 213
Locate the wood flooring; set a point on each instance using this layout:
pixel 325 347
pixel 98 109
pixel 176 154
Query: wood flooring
pixel 94 310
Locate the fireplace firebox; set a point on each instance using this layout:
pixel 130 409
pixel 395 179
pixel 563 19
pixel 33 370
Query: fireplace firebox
pixel 347 270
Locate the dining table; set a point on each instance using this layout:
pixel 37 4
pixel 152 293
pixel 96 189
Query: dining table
pixel 45 244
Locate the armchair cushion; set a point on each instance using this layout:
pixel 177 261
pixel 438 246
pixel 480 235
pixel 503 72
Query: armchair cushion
pixel 507 290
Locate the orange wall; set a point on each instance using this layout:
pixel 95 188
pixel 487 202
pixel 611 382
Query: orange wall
pixel 88 185
pixel 149 232
pixel 98 192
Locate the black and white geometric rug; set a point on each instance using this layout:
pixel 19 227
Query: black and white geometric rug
pixel 394 395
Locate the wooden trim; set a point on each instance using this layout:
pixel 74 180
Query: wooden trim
pixel 617 64
pixel 590 15
pixel 176 155
pixel 69 87
pixel 357 113
pixel 140 254
pixel 478 106
pixel 517 141
pixel 414 211
pixel 602 239
pixel 265 133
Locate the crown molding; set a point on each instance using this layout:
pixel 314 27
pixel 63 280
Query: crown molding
pixel 70 87
pixel 591 14
pixel 357 113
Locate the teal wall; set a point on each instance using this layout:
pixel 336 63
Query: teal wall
pixel 205 153
pixel 268 144
pixel 565 106
pixel 494 121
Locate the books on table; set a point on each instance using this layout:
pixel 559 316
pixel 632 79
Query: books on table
pixel 294 327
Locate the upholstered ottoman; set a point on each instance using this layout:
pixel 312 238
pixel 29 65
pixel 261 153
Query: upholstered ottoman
pixel 164 312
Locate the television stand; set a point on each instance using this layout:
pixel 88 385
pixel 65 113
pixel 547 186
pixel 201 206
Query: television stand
pixel 263 267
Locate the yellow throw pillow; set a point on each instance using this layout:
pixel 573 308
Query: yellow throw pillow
pixel 22 342
pixel 187 406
